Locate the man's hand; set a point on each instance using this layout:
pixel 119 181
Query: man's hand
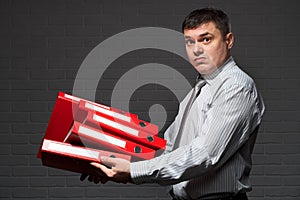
pixel 116 169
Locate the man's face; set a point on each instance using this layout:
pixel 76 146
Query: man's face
pixel 206 48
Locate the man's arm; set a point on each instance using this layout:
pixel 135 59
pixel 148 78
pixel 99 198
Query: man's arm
pixel 231 119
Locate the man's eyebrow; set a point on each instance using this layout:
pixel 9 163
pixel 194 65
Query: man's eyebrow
pixel 187 37
pixel 204 34
pixel 201 35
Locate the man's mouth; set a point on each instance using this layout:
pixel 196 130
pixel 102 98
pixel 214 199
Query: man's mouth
pixel 200 59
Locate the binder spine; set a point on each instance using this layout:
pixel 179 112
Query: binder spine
pixel 129 119
pixel 122 130
pixel 73 158
pixel 101 139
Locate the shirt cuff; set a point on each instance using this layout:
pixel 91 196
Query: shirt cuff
pixel 139 172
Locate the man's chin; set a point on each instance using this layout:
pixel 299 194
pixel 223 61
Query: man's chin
pixel 204 68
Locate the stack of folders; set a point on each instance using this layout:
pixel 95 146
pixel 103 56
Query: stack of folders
pixel 81 131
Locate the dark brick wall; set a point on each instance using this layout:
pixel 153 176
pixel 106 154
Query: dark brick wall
pixel 43 44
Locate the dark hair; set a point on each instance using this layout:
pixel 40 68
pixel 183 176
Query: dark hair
pixel 205 15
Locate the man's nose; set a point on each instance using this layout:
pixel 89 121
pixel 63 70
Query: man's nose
pixel 197 49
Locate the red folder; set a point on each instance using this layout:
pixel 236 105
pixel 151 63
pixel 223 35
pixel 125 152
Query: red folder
pixel 123 117
pixel 62 117
pixel 73 158
pixel 117 127
pixel 96 138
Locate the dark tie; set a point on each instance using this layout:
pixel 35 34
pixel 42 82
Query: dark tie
pixel 195 93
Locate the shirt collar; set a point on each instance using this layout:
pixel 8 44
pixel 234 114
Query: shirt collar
pixel 225 66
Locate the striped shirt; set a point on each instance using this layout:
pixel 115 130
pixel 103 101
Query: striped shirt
pixel 214 153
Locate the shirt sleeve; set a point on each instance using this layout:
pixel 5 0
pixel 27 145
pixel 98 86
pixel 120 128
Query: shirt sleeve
pixel 233 116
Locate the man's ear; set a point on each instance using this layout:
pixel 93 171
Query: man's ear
pixel 229 40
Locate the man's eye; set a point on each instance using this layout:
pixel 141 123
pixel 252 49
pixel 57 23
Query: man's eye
pixel 206 40
pixel 189 42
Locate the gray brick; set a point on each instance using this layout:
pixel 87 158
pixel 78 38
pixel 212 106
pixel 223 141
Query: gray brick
pixel 5 107
pixel 23 63
pixel 47 182
pixel 104 192
pixel 282 149
pixel 141 192
pixel 257 170
pixel 33 128
pixel 40 117
pixel 73 181
pixel 282 170
pixel 78 31
pixel 258 149
pixel 64 63
pixel 36 138
pixel 61 85
pixel 30 193
pixel 47 52
pixel 4 85
pixel 266 181
pixel 94 20
pixel 30 85
pixel 13 182
pixel 144 20
pixel 54 31
pixel 60 172
pixel 20 149
pixel 5 149
pixel 256 192
pixel 65 42
pixel 65 20
pixel 13 75
pixel 13 139
pixel 269 138
pixel 27 41
pixel 291 160
pixel 5 193
pixel 34 160
pixel 282 192
pixel 15 160
pixel 4 128
pixel 47 75
pixel 77 52
pixel 82 7
pixel 29 107
pixel 13 117
pixel 292 138
pixel 5 171
pixel 29 171
pixel 291 181
pixel 259 159
pixel 66 192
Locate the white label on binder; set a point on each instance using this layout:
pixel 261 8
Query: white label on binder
pixel 72 97
pixel 116 125
pixel 108 112
pixel 101 136
pixel 73 150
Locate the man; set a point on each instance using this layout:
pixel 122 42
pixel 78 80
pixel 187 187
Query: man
pixel 210 142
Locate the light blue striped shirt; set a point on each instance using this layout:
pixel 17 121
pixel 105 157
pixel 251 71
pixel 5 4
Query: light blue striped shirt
pixel 214 153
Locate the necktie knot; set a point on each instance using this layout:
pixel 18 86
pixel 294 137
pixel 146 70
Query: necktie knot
pixel 200 83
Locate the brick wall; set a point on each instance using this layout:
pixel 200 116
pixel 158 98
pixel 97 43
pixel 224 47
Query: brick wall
pixel 43 44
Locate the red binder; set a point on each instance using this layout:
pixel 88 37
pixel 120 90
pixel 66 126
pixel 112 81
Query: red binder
pixel 73 158
pixel 96 138
pixel 80 131
pixel 123 117
pixel 109 124
pixel 62 117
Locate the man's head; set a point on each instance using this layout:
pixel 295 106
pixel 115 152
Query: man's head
pixel 208 39
pixel 205 15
